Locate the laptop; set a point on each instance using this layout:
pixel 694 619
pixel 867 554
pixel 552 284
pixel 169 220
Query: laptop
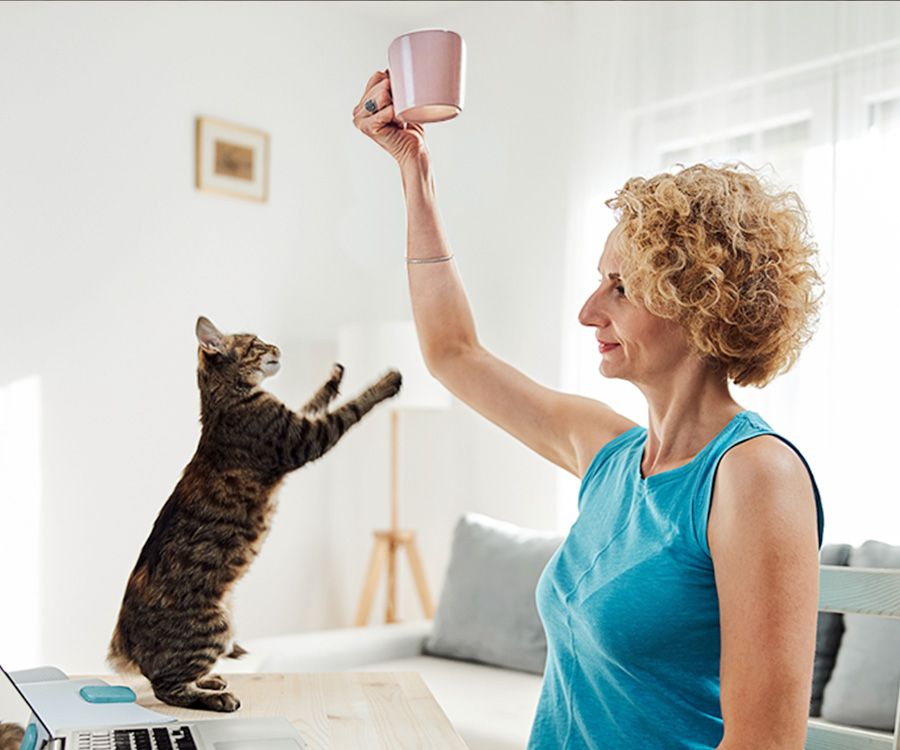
pixel 22 728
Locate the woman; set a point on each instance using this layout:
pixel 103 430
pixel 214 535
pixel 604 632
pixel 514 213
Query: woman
pixel 680 611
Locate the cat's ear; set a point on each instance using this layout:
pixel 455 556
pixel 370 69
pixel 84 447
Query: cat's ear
pixel 211 340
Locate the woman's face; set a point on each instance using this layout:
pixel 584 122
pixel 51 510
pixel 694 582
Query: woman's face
pixel 634 344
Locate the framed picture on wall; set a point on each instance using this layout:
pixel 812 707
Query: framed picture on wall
pixel 232 160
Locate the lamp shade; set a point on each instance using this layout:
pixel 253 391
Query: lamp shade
pixel 367 350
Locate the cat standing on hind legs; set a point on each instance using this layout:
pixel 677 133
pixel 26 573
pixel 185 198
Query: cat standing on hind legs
pixel 174 622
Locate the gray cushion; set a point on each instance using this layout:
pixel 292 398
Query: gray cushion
pixel 828 632
pixel 487 610
pixel 865 681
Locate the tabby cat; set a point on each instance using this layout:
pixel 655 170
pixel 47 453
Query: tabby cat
pixel 174 623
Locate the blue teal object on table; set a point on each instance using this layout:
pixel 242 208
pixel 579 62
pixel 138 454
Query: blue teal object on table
pixel 29 741
pixel 107 694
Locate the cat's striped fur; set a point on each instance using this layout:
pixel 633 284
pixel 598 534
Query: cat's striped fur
pixel 174 623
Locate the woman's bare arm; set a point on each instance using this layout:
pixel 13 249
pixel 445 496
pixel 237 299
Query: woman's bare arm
pixel 764 543
pixel 568 430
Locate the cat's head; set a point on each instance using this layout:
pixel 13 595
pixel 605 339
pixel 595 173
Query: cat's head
pixel 240 358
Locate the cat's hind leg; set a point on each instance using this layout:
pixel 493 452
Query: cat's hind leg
pixel 205 694
pixel 326 394
pixel 182 678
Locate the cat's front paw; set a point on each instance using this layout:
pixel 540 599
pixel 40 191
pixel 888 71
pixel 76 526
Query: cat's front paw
pixel 389 385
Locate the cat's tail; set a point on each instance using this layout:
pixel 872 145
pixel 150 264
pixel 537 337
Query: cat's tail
pixel 118 657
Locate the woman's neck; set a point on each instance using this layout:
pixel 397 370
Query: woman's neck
pixel 683 418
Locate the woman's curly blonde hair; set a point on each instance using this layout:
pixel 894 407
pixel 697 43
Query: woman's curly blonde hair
pixel 728 257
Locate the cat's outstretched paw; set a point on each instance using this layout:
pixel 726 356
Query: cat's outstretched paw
pixel 389 385
pixel 329 391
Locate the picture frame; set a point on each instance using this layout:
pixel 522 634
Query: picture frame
pixel 232 160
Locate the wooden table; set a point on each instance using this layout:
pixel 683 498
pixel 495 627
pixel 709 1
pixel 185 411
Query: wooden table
pixel 333 711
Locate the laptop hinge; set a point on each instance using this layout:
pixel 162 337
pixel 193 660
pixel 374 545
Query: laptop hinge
pixel 57 743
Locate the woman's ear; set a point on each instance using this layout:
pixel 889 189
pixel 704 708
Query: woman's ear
pixel 211 340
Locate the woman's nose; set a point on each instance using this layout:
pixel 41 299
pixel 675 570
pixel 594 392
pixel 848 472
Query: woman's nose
pixel 592 312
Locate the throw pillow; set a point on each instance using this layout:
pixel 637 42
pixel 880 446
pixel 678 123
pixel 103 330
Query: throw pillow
pixel 865 682
pixel 829 630
pixel 487 609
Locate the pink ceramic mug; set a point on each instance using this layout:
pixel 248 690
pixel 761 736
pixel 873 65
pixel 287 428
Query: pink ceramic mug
pixel 427 75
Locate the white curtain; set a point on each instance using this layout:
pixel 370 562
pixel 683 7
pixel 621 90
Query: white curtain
pixel 809 91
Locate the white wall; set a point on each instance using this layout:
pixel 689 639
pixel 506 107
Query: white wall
pixel 109 254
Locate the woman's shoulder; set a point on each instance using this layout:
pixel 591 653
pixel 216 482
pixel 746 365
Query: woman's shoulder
pixel 765 476
pixel 765 456
pixel 764 491
pixel 753 451
pixel 765 479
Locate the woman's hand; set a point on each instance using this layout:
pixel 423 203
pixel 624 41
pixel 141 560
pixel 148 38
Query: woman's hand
pixel 403 141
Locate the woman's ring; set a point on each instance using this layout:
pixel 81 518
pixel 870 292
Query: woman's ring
pixel 370 105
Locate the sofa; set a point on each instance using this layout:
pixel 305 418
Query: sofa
pixel 483 654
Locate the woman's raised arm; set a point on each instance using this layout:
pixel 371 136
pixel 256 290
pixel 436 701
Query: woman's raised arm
pixel 568 430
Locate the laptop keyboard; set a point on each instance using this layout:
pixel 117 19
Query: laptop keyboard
pixel 157 738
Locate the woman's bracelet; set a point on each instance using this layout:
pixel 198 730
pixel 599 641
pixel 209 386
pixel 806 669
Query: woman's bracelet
pixel 430 260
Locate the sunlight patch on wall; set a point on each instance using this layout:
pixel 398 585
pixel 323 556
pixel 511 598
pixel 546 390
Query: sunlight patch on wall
pixel 20 509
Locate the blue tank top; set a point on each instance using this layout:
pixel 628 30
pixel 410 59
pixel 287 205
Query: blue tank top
pixel 630 608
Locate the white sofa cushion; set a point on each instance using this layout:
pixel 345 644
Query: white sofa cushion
pixel 487 609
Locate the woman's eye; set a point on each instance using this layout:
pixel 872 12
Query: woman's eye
pixel 619 289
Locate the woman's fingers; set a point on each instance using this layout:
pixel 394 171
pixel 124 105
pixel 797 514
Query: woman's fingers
pixel 374 116
pixel 375 109
pixel 374 124
pixel 376 76
pixel 378 91
pixel 372 120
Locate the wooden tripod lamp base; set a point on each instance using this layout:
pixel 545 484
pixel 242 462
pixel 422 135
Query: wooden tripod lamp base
pixel 387 543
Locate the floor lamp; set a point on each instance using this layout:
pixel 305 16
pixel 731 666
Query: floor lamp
pixel 370 349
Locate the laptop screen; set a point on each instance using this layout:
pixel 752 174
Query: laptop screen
pixel 20 728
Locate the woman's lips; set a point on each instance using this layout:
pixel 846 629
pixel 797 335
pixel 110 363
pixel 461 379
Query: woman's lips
pixel 606 346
